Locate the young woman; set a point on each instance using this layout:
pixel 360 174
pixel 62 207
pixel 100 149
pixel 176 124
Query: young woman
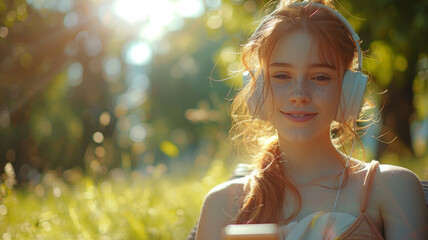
pixel 297 113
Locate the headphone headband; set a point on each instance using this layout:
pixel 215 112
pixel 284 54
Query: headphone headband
pixel 345 22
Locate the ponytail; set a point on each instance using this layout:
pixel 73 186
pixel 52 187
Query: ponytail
pixel 265 191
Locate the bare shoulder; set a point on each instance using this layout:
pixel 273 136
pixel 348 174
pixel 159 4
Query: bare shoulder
pixel 226 197
pixel 401 203
pixel 231 186
pixel 397 182
pixel 398 177
pixel 220 207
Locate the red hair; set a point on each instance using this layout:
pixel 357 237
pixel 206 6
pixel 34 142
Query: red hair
pixel 268 185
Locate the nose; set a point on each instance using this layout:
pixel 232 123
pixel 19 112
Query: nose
pixel 300 93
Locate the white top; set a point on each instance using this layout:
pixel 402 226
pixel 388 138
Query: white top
pixel 318 225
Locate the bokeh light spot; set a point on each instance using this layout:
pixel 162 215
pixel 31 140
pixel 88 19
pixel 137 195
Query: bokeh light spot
pixel 6 236
pixel 49 4
pixel 169 148
pixel 214 22
pixel 138 80
pixel 213 4
pixel 22 12
pixel 57 192
pixel 120 110
pixel 112 68
pixel 75 73
pixel 39 190
pixel 100 152
pixel 401 63
pixel 10 16
pixel 71 19
pixel 133 11
pixel 250 6
pixel 21 9
pixel 138 147
pixel 227 12
pixel 4 118
pixel 137 133
pixel 105 118
pixel 3 210
pixel 4 31
pixel 93 46
pixel 46 226
pixel 133 97
pixel 137 53
pixel 64 5
pixel 98 137
pixel 190 8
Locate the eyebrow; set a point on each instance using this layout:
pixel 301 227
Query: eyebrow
pixel 315 65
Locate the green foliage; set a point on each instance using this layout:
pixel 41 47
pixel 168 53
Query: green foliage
pixel 119 206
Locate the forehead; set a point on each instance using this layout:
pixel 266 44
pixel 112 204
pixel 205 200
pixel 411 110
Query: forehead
pixel 297 48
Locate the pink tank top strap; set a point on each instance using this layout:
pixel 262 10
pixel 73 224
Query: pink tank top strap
pixel 368 184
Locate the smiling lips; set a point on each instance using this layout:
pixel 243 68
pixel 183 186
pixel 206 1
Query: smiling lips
pixel 299 116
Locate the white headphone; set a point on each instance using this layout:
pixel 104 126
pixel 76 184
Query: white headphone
pixel 353 83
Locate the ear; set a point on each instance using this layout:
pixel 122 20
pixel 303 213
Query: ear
pixel 351 97
pixel 255 101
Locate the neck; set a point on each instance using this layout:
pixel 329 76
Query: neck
pixel 309 160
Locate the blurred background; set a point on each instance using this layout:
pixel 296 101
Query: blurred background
pixel 113 113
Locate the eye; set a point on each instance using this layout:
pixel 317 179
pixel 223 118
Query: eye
pixel 281 76
pixel 321 77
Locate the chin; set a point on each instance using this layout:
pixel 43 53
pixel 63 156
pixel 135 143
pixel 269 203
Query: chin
pixel 298 136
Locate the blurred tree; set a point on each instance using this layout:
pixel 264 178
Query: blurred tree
pixel 66 98
pixel 51 88
pixel 394 34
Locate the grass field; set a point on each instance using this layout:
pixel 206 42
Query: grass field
pixel 117 206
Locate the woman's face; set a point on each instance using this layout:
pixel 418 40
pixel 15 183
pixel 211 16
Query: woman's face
pixel 305 90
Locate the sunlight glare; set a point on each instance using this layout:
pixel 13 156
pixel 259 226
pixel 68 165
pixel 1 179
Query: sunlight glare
pixel 133 11
pixel 152 32
pixel 137 53
pixel 190 8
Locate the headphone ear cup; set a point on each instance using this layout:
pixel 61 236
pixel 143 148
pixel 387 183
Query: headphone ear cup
pixel 253 103
pixel 351 98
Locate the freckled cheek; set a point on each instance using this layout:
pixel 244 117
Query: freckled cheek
pixel 327 97
pixel 278 95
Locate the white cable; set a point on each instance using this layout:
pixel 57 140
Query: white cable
pixel 343 173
